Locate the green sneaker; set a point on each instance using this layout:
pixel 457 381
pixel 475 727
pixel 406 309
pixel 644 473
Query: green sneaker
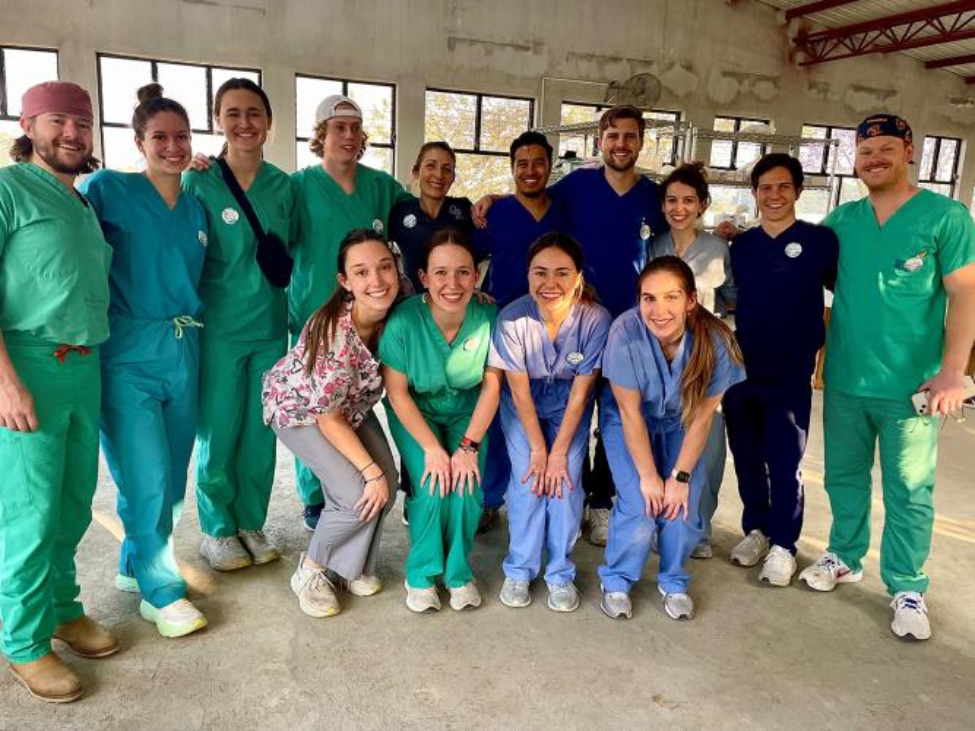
pixel 174 620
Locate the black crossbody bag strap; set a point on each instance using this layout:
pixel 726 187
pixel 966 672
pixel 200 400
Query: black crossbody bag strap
pixel 241 197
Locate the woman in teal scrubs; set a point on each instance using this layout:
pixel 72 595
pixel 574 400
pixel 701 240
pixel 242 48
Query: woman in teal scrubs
pixel 151 360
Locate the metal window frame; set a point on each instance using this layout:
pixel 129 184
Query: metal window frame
pixel 478 111
pixel 679 116
pixel 953 182
pixel 4 107
pixel 734 143
pixel 824 166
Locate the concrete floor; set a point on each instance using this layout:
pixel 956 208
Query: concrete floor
pixel 754 656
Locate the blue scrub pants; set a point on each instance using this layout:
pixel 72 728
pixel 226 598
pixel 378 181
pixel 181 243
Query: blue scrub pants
pixel 767 428
pixel 148 426
pixel 713 458
pixel 536 523
pixel 498 470
pixel 630 530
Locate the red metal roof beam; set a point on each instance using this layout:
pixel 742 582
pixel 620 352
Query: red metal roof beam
pixel 817 7
pixel 942 63
pixel 928 16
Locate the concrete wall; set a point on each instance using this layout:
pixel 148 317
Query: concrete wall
pixel 713 57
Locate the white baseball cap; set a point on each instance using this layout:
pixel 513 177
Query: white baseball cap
pixel 337 105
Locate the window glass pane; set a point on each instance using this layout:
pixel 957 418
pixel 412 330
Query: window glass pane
pixel 450 117
pixel 188 86
pixel 478 175
pixel 927 159
pixel 119 151
pixel 23 69
pixel 721 153
pixel 945 189
pixel 121 79
pixel 377 110
pixel 946 160
pixel 728 201
pixel 724 124
pixel 380 158
pixel 502 120
pixel 9 131
pixel 659 146
pixel 309 93
pixel 851 189
pixel 219 75
pixel 748 152
pixel 846 151
pixel 813 156
pixel 812 204
pixel 305 157
pixel 207 144
pixel 580 143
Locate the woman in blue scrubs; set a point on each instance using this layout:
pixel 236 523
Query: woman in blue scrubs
pixel 668 361
pixel 150 362
pixel 549 344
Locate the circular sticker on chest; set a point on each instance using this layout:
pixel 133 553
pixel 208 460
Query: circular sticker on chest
pixel 230 216
pixel 377 226
pixel 914 263
pixel 645 231
pixel 575 358
pixel 793 250
pixel 471 344
pixel 409 221
pixel 202 235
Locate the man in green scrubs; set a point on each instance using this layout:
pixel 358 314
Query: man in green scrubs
pixel 333 198
pixel 906 256
pixel 54 266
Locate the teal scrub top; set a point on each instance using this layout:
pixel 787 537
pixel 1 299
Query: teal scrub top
pixel 54 261
pixel 326 213
pixel 444 378
pixel 886 335
pixel 157 258
pixel 239 303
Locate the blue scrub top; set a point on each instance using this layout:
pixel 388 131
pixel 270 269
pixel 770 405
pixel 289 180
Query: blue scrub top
pixel 510 232
pixel 157 259
pixel 411 228
pixel 614 231
pixel 521 344
pixel 779 316
pixel 633 359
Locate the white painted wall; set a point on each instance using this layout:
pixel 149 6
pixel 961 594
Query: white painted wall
pixel 713 57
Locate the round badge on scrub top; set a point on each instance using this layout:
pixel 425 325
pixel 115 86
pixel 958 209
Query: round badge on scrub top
pixel 645 231
pixel 377 226
pixel 230 216
pixel 914 263
pixel 575 358
pixel 793 250
pixel 202 235
pixel 471 344
pixel 409 221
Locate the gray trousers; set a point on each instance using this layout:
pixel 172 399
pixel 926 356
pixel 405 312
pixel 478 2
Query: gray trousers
pixel 342 542
pixel 713 458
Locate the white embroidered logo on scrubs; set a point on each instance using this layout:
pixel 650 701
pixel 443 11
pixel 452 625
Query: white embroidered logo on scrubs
pixel 377 226
pixel 471 344
pixel 793 250
pixel 203 238
pixel 575 358
pixel 229 216
pixel 409 221
pixel 454 211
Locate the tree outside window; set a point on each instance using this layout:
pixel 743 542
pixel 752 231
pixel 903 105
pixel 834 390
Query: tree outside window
pixel 20 69
pixel 733 154
pixel 939 164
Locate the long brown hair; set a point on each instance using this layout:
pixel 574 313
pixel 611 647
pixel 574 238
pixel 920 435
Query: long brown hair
pixel 321 326
pixel 571 248
pixel 703 327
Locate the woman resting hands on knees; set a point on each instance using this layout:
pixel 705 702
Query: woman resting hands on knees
pixel 319 400
pixel 668 361
pixel 442 400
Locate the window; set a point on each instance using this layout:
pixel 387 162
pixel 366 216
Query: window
pixel 378 104
pixel 480 128
pixel 939 164
pixel 192 85
pixel 817 159
pixel 659 144
pixel 734 154
pixel 20 69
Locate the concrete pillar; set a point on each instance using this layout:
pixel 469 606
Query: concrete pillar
pixel 410 103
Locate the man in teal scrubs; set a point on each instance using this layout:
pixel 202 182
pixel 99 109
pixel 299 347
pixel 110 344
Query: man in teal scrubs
pixel 906 256
pixel 54 266
pixel 333 198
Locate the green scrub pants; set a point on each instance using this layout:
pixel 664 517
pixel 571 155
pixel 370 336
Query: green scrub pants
pixel 48 482
pixel 235 450
pixel 852 427
pixel 441 528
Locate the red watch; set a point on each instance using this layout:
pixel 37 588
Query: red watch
pixel 469 445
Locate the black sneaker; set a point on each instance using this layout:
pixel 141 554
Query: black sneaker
pixel 311 515
pixel 488 518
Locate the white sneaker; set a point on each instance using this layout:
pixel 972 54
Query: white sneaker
pixel 174 620
pixel 465 596
pixel 750 550
pixel 910 615
pixel 315 591
pixel 563 597
pixel 598 526
pixel 422 600
pixel 779 567
pixel 225 554
pixel 827 572
pixel 258 546
pixel 515 594
pixel 616 604
pixel 363 586
pixel 678 605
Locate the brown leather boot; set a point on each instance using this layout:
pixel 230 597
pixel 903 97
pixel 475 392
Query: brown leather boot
pixel 48 679
pixel 86 638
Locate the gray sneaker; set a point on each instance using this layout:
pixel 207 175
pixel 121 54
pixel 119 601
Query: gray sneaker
pixel 515 594
pixel 751 549
pixel 703 549
pixel 563 597
pixel 315 591
pixel 225 554
pixel 464 597
pixel 258 546
pixel 616 604
pixel 678 605
pixel 598 526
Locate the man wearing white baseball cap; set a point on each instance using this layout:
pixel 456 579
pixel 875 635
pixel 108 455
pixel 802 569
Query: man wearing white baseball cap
pixel 335 197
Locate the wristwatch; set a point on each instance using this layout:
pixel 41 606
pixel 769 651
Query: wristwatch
pixel 681 476
pixel 469 445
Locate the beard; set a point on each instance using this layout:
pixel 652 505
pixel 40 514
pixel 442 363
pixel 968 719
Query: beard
pixel 532 193
pixel 50 153
pixel 620 167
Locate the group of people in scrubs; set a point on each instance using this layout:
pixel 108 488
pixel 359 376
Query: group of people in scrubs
pixel 134 309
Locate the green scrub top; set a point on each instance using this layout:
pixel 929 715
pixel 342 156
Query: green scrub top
pixel 444 378
pixel 326 214
pixel 887 333
pixel 54 261
pixel 238 302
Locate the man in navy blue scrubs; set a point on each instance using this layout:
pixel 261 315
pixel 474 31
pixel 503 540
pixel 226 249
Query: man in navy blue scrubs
pixel 781 268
